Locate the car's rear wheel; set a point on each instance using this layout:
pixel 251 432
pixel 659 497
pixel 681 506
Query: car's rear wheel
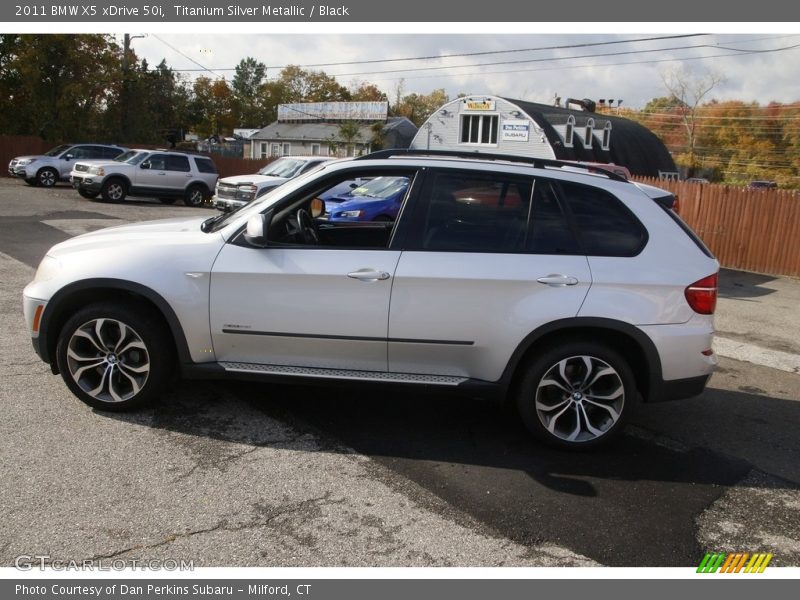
pixel 47 177
pixel 115 357
pixel 576 395
pixel 87 194
pixel 114 190
pixel 195 196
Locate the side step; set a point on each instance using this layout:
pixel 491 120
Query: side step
pixel 289 371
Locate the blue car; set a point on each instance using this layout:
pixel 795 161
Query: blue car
pixel 378 199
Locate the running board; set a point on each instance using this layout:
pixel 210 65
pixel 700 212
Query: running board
pixel 289 371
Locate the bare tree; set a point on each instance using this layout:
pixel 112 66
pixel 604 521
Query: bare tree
pixel 689 90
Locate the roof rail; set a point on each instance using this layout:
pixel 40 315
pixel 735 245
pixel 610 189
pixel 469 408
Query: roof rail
pixel 539 163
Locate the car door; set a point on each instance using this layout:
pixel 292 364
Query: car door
pixel 151 174
pixel 68 159
pixel 292 304
pixel 178 172
pixel 492 258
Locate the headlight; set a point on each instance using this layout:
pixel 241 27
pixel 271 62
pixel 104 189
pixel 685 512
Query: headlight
pixel 97 171
pixel 351 214
pixel 25 161
pixel 246 192
pixel 48 269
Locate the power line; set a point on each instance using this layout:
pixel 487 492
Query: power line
pixel 468 54
pixel 187 57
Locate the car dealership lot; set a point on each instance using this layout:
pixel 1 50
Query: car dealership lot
pixel 250 474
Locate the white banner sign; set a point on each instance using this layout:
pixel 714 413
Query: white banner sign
pixel 515 130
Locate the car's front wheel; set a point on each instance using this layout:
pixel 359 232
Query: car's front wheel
pixel 47 177
pixel 114 190
pixel 114 356
pixel 576 395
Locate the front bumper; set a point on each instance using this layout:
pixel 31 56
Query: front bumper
pixel 33 310
pixel 22 172
pixel 227 204
pixel 86 182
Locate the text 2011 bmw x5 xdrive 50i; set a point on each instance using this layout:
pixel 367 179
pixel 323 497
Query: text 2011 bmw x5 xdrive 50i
pixel 572 292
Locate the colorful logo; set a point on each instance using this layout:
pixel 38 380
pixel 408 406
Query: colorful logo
pixel 739 562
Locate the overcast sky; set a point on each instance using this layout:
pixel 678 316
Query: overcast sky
pixel 632 73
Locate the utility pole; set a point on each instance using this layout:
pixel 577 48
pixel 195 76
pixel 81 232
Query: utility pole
pixel 126 85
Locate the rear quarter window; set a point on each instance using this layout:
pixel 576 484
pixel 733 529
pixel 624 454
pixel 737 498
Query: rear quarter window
pixel 603 223
pixel 205 165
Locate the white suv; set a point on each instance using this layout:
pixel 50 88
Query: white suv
pixel 163 174
pixel 234 192
pixel 573 293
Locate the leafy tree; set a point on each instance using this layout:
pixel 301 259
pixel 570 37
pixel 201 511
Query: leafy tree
pixel 418 107
pixel 212 107
pixel 251 101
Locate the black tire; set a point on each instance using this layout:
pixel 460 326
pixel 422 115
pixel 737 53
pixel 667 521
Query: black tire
pixel 114 190
pixel 87 194
pixel 47 177
pixel 554 412
pixel 167 200
pixel 111 370
pixel 195 196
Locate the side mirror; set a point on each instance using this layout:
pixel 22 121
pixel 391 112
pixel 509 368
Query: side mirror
pixel 145 165
pixel 353 185
pixel 257 227
pixel 68 157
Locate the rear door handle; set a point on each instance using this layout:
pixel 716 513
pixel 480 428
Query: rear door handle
pixel 558 280
pixel 369 275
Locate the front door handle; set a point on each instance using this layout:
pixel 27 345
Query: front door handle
pixel 557 280
pixel 369 275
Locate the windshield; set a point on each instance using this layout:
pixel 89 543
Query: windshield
pixel 57 150
pixel 283 167
pixel 132 157
pixel 381 187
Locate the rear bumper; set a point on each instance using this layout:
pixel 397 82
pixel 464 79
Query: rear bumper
pixel 678 389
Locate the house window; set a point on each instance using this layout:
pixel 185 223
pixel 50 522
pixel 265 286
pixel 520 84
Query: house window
pixel 263 150
pixel 314 149
pixel 587 139
pixel 275 150
pixel 479 129
pixel 607 136
pixel 569 133
pixel 287 149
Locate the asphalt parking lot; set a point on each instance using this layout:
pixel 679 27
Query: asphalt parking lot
pixel 248 474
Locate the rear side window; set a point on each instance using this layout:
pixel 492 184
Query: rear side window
pixel 111 152
pixel 177 163
pixel 476 213
pixel 205 165
pixel 549 231
pixel 605 226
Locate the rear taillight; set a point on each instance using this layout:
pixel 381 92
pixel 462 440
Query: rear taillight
pixel 702 295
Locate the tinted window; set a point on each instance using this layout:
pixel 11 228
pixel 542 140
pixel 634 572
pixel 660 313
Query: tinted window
pixel 468 212
pixel 82 152
pixel 178 163
pixel 549 231
pixel 205 165
pixel 605 226
pixel 111 152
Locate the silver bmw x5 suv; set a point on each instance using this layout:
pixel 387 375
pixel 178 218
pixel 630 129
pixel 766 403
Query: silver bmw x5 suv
pixel 572 292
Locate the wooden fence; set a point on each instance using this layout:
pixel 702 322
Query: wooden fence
pixel 751 230
pixel 12 146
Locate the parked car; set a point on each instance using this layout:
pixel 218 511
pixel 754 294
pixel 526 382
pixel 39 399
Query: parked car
pixel 53 166
pixel 234 192
pixel 762 185
pixel 378 199
pixel 559 300
pixel 698 180
pixel 163 174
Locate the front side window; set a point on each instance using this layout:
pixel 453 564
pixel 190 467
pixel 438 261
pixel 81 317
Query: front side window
pixel 466 212
pixel 479 129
